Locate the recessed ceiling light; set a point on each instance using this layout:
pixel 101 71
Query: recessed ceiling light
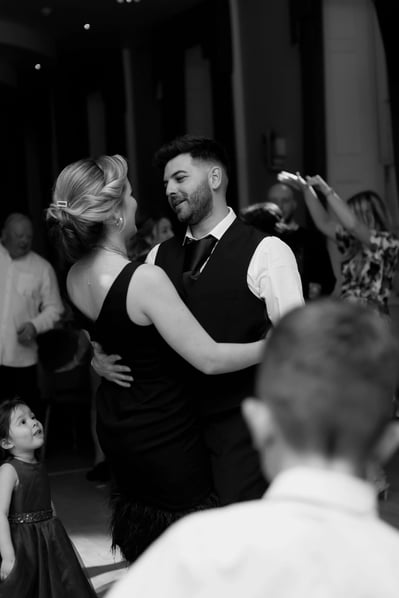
pixel 46 11
pixel 86 26
pixel 38 66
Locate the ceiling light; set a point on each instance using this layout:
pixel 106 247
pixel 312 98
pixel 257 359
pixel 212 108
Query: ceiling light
pixel 38 66
pixel 86 26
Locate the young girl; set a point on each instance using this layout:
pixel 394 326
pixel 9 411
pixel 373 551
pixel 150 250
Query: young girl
pixel 37 557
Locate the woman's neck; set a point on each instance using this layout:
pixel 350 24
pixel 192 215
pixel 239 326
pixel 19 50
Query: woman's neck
pixel 113 245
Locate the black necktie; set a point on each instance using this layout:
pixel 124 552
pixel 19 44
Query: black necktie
pixel 195 255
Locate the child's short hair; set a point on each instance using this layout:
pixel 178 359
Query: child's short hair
pixel 6 409
pixel 329 375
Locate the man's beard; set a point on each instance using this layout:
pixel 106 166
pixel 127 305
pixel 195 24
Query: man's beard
pixel 200 203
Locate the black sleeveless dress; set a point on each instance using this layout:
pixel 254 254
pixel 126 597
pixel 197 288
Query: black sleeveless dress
pixel 46 565
pixel 148 432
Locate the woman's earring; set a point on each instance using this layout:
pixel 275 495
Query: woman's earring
pixel 119 222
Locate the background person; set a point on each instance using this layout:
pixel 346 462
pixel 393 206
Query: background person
pixel 321 419
pixel 264 216
pixel 308 245
pixel 30 304
pixel 151 232
pixel 370 251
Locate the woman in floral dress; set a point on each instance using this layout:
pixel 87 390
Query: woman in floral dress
pixel 370 252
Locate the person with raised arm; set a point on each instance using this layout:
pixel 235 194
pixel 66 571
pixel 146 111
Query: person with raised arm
pixel 370 251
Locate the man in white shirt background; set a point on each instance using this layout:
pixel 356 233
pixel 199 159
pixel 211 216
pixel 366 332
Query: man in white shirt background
pixel 236 282
pixel 322 421
pixel 30 304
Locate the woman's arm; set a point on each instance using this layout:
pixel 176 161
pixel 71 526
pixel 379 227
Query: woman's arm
pixel 152 298
pixel 8 480
pixel 344 214
pixel 319 214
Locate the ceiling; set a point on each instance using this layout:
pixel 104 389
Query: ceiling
pixel 65 17
pixel 61 24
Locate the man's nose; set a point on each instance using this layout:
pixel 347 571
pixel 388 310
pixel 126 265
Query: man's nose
pixel 170 189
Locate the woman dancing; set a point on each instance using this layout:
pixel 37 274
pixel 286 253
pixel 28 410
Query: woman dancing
pixel 148 432
pixel 370 252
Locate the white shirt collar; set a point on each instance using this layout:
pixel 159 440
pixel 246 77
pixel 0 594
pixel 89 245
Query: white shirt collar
pixel 218 230
pixel 324 488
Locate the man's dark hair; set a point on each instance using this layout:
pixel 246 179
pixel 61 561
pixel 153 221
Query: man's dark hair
pixel 329 375
pixel 200 148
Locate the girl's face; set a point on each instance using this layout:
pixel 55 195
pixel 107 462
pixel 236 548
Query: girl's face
pixel 25 434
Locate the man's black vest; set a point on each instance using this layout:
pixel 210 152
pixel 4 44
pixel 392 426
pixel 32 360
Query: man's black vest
pixel 222 302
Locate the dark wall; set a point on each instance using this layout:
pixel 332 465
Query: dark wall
pixel 159 73
pixel 388 13
pixel 44 121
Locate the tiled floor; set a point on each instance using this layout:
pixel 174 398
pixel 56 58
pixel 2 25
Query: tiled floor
pixel 82 507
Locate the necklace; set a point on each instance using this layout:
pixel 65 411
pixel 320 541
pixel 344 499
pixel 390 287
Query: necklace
pixel 112 250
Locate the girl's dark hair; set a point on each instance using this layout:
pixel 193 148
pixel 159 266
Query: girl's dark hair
pixel 6 409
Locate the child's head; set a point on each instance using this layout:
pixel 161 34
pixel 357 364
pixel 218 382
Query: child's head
pixel 263 216
pixel 20 432
pixel 325 386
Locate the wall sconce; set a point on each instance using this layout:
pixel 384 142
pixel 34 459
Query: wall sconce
pixel 274 150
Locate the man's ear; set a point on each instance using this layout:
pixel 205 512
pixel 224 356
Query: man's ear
pixel 259 420
pixel 388 443
pixel 215 177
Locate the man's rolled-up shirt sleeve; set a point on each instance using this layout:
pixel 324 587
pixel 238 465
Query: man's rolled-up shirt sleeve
pixel 274 277
pixel 51 307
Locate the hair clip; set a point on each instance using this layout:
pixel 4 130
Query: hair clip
pixel 61 203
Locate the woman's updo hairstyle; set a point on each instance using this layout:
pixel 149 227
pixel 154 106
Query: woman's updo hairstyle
pixel 86 195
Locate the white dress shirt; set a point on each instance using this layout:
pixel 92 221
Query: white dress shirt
pixel 272 272
pixel 315 534
pixel 28 293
